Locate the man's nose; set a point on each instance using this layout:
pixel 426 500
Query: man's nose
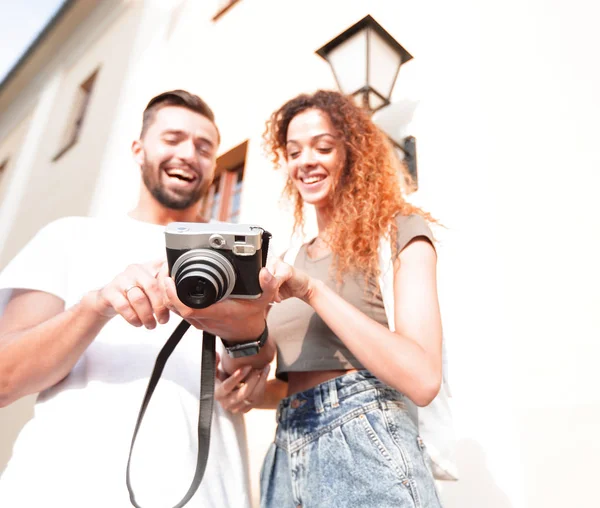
pixel 187 151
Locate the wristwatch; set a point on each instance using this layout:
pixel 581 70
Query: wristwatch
pixel 248 348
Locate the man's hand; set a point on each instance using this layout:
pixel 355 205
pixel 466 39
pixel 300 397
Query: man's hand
pixel 232 319
pixel 134 294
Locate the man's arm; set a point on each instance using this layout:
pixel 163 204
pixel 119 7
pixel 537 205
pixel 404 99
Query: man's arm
pixel 40 341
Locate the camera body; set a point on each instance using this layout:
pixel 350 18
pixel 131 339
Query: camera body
pixel 213 261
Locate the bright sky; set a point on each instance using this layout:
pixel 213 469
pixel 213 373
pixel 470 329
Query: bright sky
pixel 20 22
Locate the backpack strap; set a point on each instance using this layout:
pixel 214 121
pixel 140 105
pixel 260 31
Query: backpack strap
pixel 290 255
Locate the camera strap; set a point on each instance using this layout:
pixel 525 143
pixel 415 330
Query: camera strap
pixel 207 390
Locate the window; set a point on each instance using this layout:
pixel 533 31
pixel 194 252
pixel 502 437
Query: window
pixel 406 154
pixel 78 112
pixel 224 6
pixel 223 200
pixel 3 166
pixel 210 205
pixel 236 193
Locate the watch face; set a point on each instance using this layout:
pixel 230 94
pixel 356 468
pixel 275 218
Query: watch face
pixel 243 350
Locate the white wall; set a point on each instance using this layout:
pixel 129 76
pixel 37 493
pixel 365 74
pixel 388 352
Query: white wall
pixel 505 123
pixel 65 186
pixel 10 149
pixel 508 160
pixel 37 190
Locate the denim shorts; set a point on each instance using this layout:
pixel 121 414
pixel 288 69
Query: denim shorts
pixel 348 442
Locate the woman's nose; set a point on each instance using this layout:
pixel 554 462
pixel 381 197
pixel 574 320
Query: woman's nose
pixel 307 158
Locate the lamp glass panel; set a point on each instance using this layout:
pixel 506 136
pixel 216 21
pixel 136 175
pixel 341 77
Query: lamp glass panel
pixel 384 61
pixel 375 102
pixel 359 99
pixel 349 64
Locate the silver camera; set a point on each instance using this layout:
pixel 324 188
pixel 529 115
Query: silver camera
pixel 214 261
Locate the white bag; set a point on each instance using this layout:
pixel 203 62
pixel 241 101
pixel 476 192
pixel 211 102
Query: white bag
pixel 435 420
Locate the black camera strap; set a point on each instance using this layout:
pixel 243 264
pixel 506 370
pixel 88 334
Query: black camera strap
pixel 207 390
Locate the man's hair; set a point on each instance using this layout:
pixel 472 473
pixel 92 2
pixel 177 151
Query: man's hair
pixel 175 98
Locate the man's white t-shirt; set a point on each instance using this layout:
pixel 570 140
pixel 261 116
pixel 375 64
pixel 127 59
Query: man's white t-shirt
pixel 73 453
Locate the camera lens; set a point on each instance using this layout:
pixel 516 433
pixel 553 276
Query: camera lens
pixel 203 277
pixel 200 290
pixel 194 290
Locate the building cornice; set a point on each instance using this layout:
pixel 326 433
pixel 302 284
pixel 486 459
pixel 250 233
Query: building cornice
pixel 49 40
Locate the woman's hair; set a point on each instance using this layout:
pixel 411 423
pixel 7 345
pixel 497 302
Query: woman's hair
pixel 369 192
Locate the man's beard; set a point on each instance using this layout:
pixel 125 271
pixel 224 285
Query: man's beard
pixel 170 200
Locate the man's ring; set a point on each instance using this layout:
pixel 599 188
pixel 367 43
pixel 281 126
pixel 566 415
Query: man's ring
pixel 130 288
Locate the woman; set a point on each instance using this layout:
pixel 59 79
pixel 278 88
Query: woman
pixel 346 434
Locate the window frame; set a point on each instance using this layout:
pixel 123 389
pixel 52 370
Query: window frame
pixel 231 168
pixel 77 115
pixel 222 10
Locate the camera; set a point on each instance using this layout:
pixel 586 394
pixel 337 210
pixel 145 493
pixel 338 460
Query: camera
pixel 214 261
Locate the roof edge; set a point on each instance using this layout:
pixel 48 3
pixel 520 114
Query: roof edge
pixel 59 14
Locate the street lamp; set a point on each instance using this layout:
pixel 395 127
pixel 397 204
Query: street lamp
pixel 365 60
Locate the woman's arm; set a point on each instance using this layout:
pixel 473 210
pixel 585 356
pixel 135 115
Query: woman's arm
pixel 275 391
pixel 409 359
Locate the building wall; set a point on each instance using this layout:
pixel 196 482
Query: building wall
pixel 35 189
pixel 65 186
pixel 10 149
pixel 14 417
pixel 507 131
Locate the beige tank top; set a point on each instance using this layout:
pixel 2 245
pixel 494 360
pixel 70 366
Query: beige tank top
pixel 304 342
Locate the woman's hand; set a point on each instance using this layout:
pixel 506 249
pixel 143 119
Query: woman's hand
pixel 292 283
pixel 243 390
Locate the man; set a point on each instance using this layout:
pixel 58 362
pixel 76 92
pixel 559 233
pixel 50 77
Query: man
pixel 67 333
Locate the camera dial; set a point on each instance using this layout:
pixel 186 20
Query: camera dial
pixel 216 241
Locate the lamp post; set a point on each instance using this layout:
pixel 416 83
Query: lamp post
pixel 365 60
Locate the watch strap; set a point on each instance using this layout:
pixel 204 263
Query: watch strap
pixel 248 348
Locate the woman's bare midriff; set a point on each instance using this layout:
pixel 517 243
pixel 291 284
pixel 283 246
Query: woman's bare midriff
pixel 301 381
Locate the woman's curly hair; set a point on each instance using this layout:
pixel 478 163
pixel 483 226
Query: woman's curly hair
pixel 369 193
